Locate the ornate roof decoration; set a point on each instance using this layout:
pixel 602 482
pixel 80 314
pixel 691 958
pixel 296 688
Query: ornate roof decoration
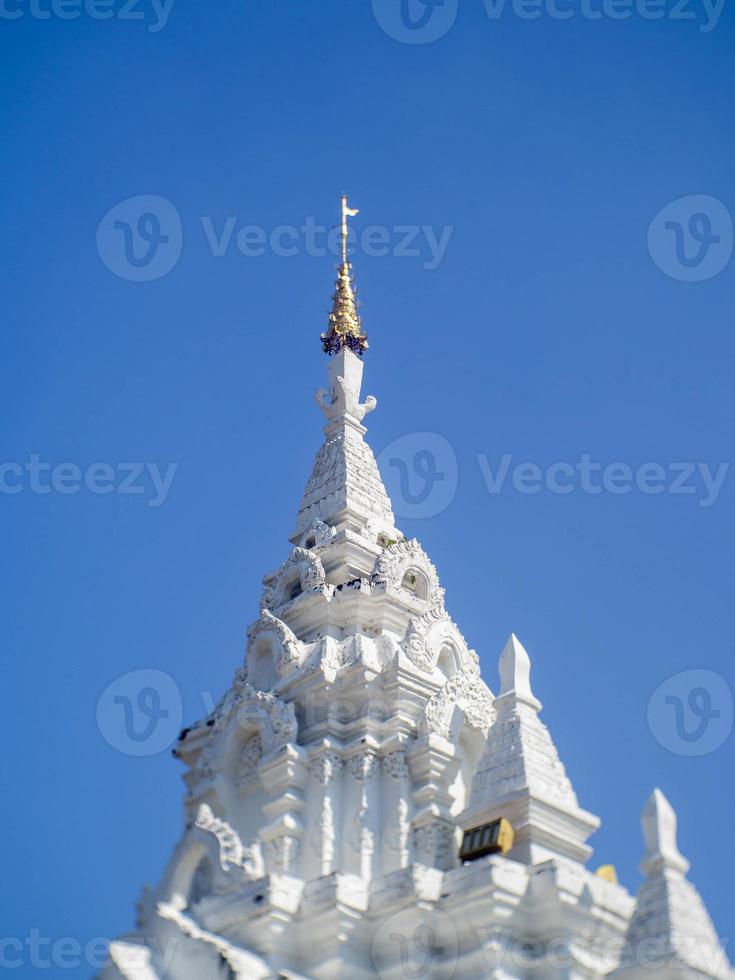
pixel 403 556
pixel 427 634
pixel 302 568
pixel 265 712
pixel 345 327
pixel 231 850
pixel 317 535
pixel 287 649
pixel 465 690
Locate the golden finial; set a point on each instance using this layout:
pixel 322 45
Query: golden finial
pixel 608 873
pixel 345 328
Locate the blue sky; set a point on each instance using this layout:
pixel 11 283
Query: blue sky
pixel 553 326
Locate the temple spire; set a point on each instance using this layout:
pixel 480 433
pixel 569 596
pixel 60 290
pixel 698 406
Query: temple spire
pixel 670 933
pixel 521 777
pixel 345 328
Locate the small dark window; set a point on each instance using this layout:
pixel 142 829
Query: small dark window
pixel 415 582
pixel 490 838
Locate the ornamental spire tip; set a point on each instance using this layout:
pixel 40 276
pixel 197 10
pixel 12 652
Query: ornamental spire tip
pixel 659 832
pixel 345 327
pixel 515 672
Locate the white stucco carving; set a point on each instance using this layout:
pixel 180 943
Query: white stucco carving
pixel 301 574
pixel 233 854
pixel 317 535
pixel 327 768
pixel 427 635
pixel 464 690
pixel 271 639
pixel 407 558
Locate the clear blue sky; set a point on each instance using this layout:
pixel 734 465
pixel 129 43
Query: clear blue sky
pixel 546 331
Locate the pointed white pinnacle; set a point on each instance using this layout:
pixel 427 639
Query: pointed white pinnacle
pixel 670 920
pixel 659 832
pixel 515 672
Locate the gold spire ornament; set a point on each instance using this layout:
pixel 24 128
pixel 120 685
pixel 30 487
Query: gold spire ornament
pixel 345 328
pixel 608 873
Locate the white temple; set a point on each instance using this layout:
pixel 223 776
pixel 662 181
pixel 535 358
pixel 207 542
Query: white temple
pixel 329 792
